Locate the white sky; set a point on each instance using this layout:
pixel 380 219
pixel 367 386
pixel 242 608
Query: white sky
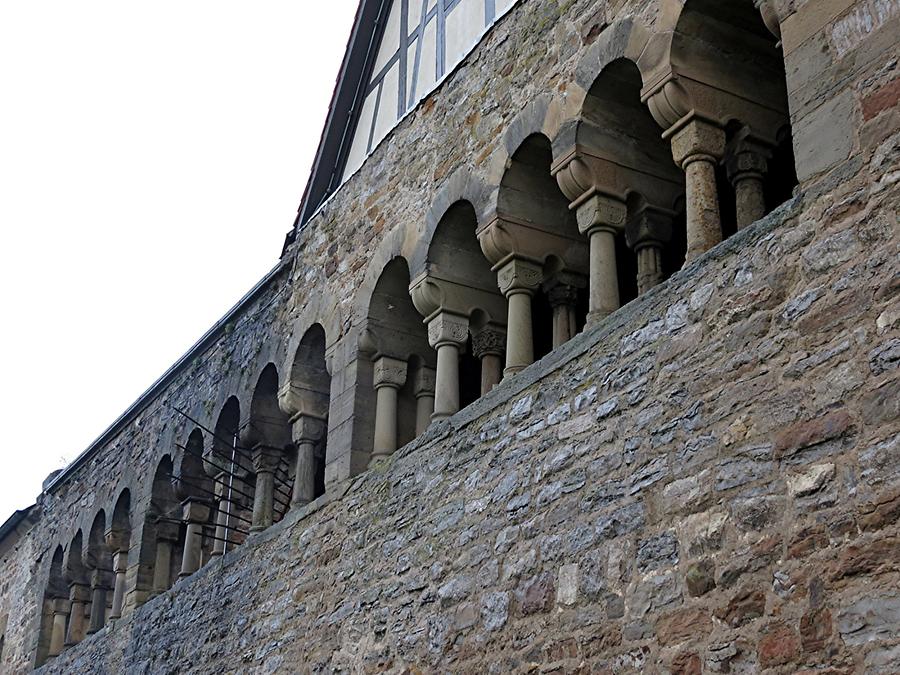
pixel 152 157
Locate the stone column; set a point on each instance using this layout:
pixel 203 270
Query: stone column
pixel 223 508
pixel 518 280
pixel 423 388
pixel 646 233
pixel 265 463
pixel 602 218
pixel 306 432
pixel 697 147
pixel 563 298
pixel 747 164
pixel 79 595
pixel 120 567
pixel 166 536
pixel 58 629
pixel 389 376
pixel 195 513
pixel 99 587
pixel 487 346
pixel 447 333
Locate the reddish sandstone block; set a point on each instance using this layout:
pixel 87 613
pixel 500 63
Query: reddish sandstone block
pixel 693 622
pixel 742 608
pixel 812 432
pixel 780 644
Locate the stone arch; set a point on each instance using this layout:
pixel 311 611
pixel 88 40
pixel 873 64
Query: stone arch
pixel 535 245
pixel 614 151
pixel 161 535
pixel 717 86
pixel 305 399
pixel 390 248
pixel 457 295
pixel 98 559
pixel 267 436
pixel 463 185
pixel 54 611
pixel 392 338
pixel 624 39
pixel 228 462
pixel 77 576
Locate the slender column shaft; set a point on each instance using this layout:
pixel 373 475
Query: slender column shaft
pixel 305 474
pixel 650 272
pixel 221 529
pixel 193 543
pixel 385 420
pixel 704 223
pixel 58 630
pixel 563 298
pixel 519 338
pixel 263 500
pixel 604 275
pixel 750 199
pixel 424 411
pixel 446 394
pixel 98 608
pixel 120 566
pixel 697 147
pixel 491 371
pixel 162 568
pixel 76 628
pixel 222 510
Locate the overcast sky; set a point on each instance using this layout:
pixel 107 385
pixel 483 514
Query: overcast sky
pixel 152 157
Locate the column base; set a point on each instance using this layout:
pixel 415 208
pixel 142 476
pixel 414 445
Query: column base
pixel 593 318
pixel 512 370
pixel 258 528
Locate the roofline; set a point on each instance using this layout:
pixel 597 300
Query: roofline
pixel 12 523
pixel 165 379
pixel 341 111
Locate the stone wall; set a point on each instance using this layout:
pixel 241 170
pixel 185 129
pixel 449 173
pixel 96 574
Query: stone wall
pixel 705 480
pixel 708 482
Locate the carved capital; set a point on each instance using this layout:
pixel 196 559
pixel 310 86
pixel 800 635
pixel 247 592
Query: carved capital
pixel 489 340
pixel 519 276
pixel 389 372
pixel 574 175
pixel 101 578
pixel 120 562
pixel 447 328
pixel 266 459
pixel 61 606
pixel 195 511
pixel 649 227
pixel 601 211
pixel 79 592
pixel 116 540
pixel 746 157
pixel 426 295
pixel 770 15
pixel 562 295
pixel 295 399
pixel 423 385
pixel 697 140
pixel 667 100
pixel 307 429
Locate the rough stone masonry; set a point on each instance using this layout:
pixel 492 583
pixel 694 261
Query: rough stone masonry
pixel 670 445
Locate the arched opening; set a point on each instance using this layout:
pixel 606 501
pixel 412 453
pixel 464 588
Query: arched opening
pixel 231 466
pixel 393 335
pixel 630 161
pixel 196 492
pixel 268 438
pixel 460 301
pixel 118 539
pixel 98 560
pixel 163 534
pixel 54 612
pixel 544 230
pixel 77 577
pixel 308 397
pixel 727 48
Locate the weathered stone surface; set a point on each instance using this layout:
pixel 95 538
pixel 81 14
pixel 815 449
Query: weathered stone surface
pixel 658 493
